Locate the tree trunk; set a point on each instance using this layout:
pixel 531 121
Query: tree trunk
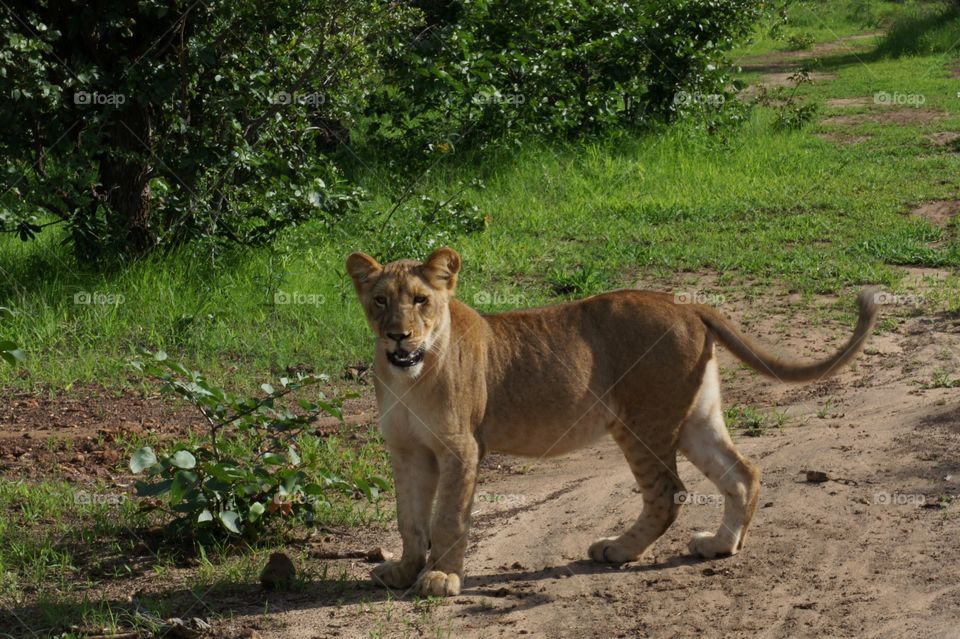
pixel 125 175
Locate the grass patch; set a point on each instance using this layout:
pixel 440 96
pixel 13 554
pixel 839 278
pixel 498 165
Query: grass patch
pixel 752 422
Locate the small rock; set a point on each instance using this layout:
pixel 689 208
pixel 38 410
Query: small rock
pixel 379 554
pixel 816 477
pixel 279 572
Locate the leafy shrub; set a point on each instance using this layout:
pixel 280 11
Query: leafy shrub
pixel 800 41
pixel 149 123
pixel 480 70
pixel 246 471
pixel 791 109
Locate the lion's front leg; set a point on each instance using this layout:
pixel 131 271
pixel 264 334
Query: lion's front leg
pixel 415 476
pixel 443 574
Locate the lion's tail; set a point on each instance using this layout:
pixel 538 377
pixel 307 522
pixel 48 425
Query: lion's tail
pixel 761 360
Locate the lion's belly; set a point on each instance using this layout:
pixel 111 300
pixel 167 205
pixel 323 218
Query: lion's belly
pixel 546 433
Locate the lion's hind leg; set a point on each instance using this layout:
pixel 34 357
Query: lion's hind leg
pixel 704 440
pixel 655 469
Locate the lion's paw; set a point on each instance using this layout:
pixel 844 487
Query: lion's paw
pixel 709 545
pixel 433 583
pixel 608 551
pixel 394 574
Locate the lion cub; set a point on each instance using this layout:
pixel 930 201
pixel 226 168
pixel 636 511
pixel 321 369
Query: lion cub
pixel 453 384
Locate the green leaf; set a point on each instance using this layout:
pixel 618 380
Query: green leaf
pixel 274 459
pixel 152 490
pixel 293 456
pixel 379 482
pixel 183 481
pixel 205 515
pixel 183 459
pixel 143 458
pixel 256 511
pixel 370 492
pixel 267 388
pixel 230 519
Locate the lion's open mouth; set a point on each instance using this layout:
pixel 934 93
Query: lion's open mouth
pixel 403 359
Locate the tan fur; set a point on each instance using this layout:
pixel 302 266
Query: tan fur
pixel 545 381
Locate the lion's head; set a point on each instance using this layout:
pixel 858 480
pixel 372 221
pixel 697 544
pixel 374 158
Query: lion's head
pixel 405 302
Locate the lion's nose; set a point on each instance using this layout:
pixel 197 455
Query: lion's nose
pixel 398 337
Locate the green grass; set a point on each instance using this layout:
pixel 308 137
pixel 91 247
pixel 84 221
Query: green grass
pixel 770 207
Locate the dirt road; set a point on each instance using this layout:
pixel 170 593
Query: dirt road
pixel 872 552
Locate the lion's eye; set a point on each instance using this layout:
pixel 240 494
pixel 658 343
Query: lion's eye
pixel 420 299
pixel 380 300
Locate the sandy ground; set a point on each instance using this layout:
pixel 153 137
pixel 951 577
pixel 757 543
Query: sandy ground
pixel 873 552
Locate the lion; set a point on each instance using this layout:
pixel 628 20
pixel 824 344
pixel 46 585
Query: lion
pixel 453 384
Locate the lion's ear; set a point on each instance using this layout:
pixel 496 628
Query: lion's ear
pixel 361 268
pixel 441 268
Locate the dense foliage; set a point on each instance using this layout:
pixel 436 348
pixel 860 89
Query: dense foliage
pixel 484 69
pixel 147 124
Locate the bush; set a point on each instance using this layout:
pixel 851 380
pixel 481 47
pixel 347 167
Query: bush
pixel 481 70
pixel 246 471
pixel 149 123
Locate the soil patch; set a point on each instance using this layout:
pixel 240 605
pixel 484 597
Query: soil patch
pixel 887 116
pixel 78 435
pixel 939 213
pixel 841 103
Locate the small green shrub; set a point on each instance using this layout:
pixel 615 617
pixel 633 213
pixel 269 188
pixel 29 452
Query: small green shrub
pixel 751 422
pixel 246 471
pixel 800 41
pixel 791 109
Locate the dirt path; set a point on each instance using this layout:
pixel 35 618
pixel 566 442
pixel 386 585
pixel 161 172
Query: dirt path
pixel 873 552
